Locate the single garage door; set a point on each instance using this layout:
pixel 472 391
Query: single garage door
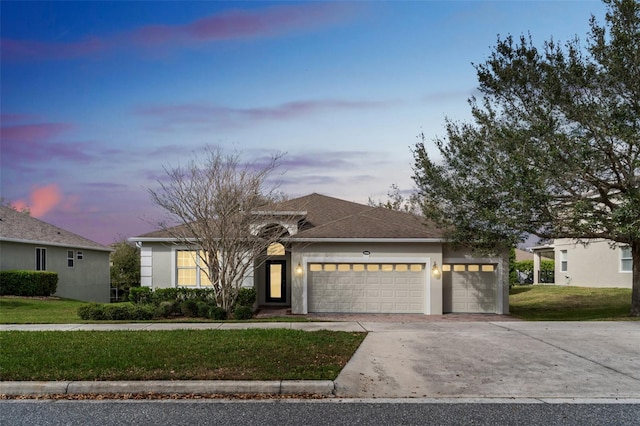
pixel 366 287
pixel 469 288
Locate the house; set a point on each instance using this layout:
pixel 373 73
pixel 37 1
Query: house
pixel 337 256
pixel 592 263
pixel 82 265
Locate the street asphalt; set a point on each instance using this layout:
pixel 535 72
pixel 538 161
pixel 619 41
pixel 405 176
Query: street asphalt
pixel 488 360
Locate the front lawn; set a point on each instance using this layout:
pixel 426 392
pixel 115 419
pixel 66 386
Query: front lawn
pixel 254 354
pixel 563 303
pixel 26 310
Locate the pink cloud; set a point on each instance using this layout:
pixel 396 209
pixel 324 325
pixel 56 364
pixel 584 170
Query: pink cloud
pixel 41 200
pixel 226 25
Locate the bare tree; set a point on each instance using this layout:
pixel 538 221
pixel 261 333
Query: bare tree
pixel 216 200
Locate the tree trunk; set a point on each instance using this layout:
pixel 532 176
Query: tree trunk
pixel 635 286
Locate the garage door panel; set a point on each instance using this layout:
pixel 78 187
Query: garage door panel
pixel 369 290
pixel 469 291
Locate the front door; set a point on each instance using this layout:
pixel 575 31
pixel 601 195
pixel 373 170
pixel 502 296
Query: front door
pixel 276 280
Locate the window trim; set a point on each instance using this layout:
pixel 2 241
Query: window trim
pixel 564 261
pixel 41 259
pixel 622 259
pixel 199 269
pixel 70 258
pixel 79 255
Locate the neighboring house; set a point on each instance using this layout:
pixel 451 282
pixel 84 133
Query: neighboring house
pixel 343 257
pixel 599 263
pixel 27 243
pixel 523 255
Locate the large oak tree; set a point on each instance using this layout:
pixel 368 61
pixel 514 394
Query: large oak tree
pixel 554 145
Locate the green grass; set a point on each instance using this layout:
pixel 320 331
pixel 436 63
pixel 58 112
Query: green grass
pixel 560 303
pixel 255 354
pixel 24 310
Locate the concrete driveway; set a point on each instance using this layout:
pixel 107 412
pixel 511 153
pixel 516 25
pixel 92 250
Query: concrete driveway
pixel 498 359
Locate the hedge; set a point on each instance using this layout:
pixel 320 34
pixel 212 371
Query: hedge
pixel 28 283
pixel 115 312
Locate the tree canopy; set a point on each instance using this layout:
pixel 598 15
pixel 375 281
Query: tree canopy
pixel 125 266
pixel 553 148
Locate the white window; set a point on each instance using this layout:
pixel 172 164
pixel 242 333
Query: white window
pixel 564 266
pixel 191 269
pixel 70 258
pixel 41 259
pixel 626 260
pixel 79 255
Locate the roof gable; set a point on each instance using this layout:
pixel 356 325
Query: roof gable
pixel 21 227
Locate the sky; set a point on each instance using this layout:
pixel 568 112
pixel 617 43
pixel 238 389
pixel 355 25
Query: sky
pixel 97 97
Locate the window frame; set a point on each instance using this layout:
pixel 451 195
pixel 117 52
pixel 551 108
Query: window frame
pixel 624 259
pixel 41 259
pixel 198 267
pixel 70 258
pixel 564 261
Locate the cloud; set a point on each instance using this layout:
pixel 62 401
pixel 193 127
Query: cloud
pixel 23 143
pixel 41 200
pixel 172 116
pixel 226 25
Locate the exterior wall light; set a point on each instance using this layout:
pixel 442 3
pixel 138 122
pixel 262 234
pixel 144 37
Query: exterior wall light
pixel 435 271
pixel 299 269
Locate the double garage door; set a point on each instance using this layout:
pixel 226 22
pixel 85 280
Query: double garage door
pixel 366 288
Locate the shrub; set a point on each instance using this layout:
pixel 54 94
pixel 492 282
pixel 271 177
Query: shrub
pixel 115 312
pixel 203 309
pixel 165 309
pixel 217 313
pixel 91 311
pixel 140 295
pixel 243 312
pixel 189 308
pixel 246 296
pixel 165 295
pixel 28 283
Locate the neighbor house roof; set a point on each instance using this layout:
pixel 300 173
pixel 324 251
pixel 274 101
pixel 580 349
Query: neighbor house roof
pixel 21 227
pixel 329 218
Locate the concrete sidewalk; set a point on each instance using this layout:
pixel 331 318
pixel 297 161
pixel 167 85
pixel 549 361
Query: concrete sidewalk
pixel 425 359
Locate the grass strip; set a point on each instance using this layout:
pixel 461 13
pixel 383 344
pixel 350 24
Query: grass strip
pixel 25 310
pixel 563 303
pixel 254 354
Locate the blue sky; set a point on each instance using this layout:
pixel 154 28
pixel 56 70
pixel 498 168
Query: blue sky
pixel 96 97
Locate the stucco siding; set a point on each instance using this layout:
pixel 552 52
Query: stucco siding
pixel 87 280
pixel 157 265
pixel 596 264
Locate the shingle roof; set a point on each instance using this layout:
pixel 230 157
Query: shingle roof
pixel 333 218
pixel 329 217
pixel 21 227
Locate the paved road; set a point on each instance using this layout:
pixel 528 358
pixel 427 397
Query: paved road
pixel 311 413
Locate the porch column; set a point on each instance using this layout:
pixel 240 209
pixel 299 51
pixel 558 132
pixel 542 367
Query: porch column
pixel 536 267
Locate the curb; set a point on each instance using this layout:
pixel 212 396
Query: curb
pixel 227 387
